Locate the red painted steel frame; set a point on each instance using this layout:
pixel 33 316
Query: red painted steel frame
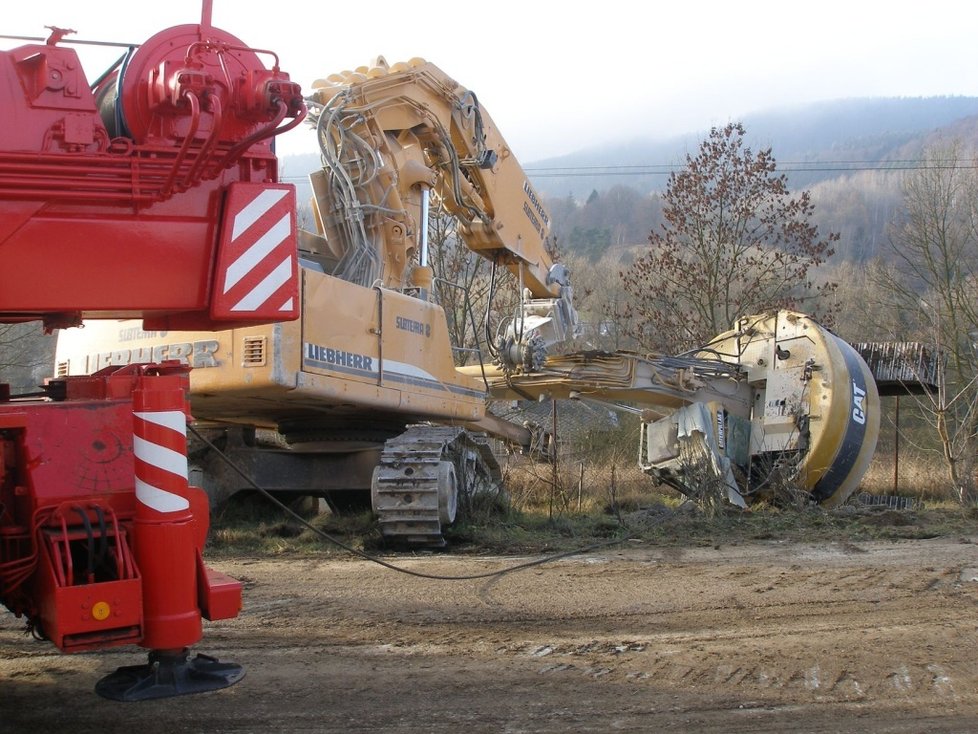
pixel 66 494
pixel 113 199
pixel 153 193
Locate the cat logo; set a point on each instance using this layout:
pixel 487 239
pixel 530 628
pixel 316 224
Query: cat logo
pixel 858 404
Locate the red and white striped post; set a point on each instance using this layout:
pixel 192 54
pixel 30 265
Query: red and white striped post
pixel 167 540
pixel 164 539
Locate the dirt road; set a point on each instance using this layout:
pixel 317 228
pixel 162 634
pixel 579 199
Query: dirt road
pixel 774 637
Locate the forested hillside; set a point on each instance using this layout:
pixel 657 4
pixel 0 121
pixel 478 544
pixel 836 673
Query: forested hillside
pixel 813 143
pixel 851 155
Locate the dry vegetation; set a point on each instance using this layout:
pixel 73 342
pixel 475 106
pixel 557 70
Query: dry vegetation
pixel 607 501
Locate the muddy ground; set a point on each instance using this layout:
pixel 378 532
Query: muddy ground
pixel 767 636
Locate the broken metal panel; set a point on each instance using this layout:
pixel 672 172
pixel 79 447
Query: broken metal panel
pixel 902 368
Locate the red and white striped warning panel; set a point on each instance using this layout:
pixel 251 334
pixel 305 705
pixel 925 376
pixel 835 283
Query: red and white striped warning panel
pixel 257 269
pixel 160 450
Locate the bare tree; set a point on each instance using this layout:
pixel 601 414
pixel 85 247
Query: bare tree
pixel 952 412
pixel 475 298
pixel 735 241
pixel 458 283
pixel 932 280
pixel 600 302
pixel 26 355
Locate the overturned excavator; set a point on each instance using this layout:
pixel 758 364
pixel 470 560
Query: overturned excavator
pixel 778 403
pixel 362 395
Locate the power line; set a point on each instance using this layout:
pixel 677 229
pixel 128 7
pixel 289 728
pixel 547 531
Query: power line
pixel 659 169
pixel 915 161
pixel 665 169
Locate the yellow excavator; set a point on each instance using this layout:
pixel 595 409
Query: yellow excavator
pixel 361 395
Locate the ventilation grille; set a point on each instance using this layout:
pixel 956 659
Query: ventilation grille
pixel 902 368
pixel 63 369
pixel 253 351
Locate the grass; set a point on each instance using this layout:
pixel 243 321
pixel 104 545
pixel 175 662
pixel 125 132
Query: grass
pixel 249 523
pixel 251 526
pixel 923 476
pixel 597 501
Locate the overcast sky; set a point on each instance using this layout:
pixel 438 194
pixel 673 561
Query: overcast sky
pixel 560 76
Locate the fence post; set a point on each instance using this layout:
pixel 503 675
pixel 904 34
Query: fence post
pixel 580 487
pixel 553 443
pixel 896 448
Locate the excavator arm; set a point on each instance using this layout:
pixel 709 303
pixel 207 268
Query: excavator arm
pixel 395 138
pixel 778 402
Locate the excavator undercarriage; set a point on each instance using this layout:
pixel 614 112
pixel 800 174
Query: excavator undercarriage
pixel 423 478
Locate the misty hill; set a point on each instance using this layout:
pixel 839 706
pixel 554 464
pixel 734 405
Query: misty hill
pixel 811 143
pixel 851 155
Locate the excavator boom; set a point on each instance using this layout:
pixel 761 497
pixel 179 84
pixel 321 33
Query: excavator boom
pixel 392 137
pixel 777 403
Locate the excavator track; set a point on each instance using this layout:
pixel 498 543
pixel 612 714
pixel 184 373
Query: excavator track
pixel 426 476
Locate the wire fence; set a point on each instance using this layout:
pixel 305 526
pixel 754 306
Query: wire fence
pixel 586 460
pixel 589 461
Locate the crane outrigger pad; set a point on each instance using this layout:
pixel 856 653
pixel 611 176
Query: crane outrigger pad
pixel 169 674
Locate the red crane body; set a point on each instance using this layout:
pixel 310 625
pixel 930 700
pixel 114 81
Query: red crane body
pixel 152 192
pixel 131 197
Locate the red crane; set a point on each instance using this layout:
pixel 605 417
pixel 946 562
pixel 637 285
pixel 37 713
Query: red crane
pixel 150 192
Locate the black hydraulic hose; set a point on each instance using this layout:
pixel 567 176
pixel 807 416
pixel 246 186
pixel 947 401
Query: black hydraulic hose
pixel 489 299
pixel 90 569
pixel 103 546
